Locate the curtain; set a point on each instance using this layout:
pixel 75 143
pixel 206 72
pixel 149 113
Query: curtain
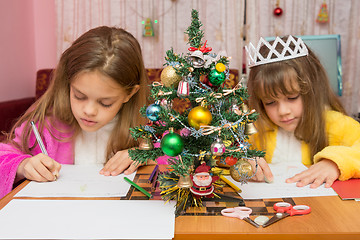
pixel 298 18
pixel 222 24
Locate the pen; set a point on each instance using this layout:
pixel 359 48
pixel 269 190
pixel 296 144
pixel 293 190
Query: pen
pixel 237 189
pixel 153 174
pixel 227 198
pixel 38 138
pixel 155 181
pixel 40 142
pixel 138 187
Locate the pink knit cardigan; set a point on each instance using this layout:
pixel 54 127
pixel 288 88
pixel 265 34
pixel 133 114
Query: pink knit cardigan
pixel 11 157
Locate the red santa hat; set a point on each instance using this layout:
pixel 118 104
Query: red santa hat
pixel 202 168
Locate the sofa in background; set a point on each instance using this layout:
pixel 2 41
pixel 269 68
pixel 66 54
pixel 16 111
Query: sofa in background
pixel 10 111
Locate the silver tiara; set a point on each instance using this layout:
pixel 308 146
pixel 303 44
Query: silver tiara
pixel 255 58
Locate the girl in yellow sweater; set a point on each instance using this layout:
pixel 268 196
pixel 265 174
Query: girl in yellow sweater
pixel 300 118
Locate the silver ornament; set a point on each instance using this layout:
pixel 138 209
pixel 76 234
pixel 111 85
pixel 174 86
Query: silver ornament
pixel 218 147
pixel 197 58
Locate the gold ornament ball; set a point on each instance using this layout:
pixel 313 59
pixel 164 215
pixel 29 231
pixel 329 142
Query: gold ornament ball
pixel 241 167
pixel 220 67
pixel 169 77
pixel 199 116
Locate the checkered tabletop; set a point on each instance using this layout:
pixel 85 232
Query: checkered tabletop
pixel 210 208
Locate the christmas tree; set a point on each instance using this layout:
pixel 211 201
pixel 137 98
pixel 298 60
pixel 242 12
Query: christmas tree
pixel 212 133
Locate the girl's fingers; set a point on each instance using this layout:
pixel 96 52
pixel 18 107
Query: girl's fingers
pixel 268 176
pixel 109 166
pixel 35 173
pixel 293 179
pixel 119 168
pixel 119 163
pixel 254 168
pixel 52 166
pixel 32 174
pixel 317 182
pixel 324 171
pixel 329 182
pixel 132 168
pixel 116 165
pixel 263 171
pixel 40 168
pixel 46 174
pixel 304 178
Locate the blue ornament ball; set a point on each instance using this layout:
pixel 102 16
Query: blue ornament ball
pixel 153 111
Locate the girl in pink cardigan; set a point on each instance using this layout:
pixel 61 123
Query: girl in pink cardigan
pixel 84 117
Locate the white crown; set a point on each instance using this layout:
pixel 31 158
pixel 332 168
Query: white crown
pixel 255 58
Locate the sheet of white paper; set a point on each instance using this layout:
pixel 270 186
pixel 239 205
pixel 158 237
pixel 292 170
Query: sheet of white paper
pixel 79 181
pixel 87 219
pixel 279 188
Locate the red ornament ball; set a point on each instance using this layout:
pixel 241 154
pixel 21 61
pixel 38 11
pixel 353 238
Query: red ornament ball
pixel 230 160
pixel 278 11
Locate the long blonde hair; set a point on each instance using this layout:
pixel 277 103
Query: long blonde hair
pixel 282 78
pixel 115 53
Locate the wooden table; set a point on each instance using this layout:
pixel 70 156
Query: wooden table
pixel 331 218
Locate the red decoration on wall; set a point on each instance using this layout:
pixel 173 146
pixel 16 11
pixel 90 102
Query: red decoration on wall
pixel 278 10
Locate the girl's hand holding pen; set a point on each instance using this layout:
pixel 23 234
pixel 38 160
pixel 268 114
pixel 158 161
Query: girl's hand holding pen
pixel 40 168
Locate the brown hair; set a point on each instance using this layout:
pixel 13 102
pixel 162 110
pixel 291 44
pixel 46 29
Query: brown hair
pixel 269 80
pixel 115 53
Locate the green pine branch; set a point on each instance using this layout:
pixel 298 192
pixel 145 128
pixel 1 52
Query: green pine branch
pixel 194 32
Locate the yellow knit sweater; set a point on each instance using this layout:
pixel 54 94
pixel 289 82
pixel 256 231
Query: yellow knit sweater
pixel 344 145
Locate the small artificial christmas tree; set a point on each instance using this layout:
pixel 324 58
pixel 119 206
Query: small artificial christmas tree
pixel 212 132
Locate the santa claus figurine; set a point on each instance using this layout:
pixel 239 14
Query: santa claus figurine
pixel 202 181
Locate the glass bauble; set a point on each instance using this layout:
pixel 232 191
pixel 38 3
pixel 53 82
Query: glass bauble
pixel 241 170
pixel 153 111
pixel 218 147
pixel 216 78
pixel 172 144
pixel 169 77
pixel 199 116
